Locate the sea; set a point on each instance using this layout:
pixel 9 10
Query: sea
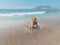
pixel 8 16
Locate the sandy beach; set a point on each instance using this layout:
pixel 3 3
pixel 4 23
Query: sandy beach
pixel 19 34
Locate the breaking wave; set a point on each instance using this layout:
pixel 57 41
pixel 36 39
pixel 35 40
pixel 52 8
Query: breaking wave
pixel 20 14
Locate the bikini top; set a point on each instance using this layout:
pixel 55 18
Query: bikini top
pixel 34 23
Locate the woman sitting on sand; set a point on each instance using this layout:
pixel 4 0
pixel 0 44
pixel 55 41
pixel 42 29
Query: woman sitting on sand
pixel 33 24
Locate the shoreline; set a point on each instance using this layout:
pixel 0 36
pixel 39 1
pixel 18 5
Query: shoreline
pixel 17 34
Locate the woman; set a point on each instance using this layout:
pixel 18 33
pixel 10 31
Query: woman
pixel 33 24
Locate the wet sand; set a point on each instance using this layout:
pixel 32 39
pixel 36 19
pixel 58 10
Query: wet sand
pixel 48 34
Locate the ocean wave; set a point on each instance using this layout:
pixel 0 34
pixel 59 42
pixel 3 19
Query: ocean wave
pixel 20 14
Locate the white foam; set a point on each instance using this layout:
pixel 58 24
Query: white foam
pixel 20 14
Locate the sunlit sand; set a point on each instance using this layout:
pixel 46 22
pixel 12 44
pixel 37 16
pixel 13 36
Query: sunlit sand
pixel 19 34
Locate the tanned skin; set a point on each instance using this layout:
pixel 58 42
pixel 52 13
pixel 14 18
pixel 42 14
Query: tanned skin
pixel 33 23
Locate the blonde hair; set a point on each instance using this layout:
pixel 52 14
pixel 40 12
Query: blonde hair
pixel 33 18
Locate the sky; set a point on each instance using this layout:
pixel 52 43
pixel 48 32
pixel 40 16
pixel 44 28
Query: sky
pixel 18 4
